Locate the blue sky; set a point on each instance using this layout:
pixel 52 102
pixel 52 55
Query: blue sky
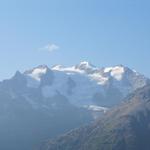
pixel 104 32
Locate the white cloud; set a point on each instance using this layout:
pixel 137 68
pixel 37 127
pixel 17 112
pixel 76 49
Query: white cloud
pixel 50 47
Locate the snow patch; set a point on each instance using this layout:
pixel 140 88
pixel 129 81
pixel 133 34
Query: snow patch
pixel 37 73
pixel 34 76
pixel 72 69
pixel 97 108
pixel 101 80
pixel 108 69
pixel 116 72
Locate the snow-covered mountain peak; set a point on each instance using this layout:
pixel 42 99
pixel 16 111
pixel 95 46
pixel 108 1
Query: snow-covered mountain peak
pixel 57 67
pixel 84 65
pixel 37 72
pixel 119 68
pixel 117 72
pixel 68 70
pixel 85 81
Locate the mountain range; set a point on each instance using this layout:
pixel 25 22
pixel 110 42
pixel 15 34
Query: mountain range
pixel 85 84
pixel 43 102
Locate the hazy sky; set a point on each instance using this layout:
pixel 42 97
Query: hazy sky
pixel 104 32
